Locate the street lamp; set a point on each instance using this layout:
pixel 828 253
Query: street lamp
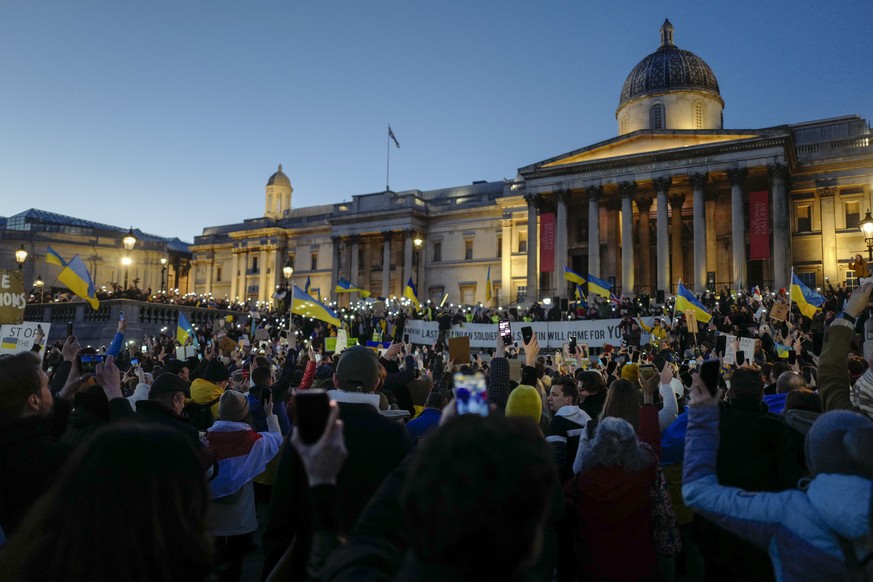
pixel 287 272
pixel 126 262
pixel 163 272
pixel 867 229
pixel 39 284
pixel 20 257
pixel 129 241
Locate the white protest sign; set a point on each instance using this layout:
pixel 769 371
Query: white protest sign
pixel 342 341
pixel 19 337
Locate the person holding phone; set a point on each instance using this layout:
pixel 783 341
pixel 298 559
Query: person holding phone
pixel 376 445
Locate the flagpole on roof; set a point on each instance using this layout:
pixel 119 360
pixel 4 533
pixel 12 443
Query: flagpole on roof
pixel 388 160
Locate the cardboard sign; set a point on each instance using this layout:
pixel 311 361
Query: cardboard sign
pixel 185 352
pixel 459 350
pixel 691 321
pixel 342 341
pixel 12 299
pixel 20 338
pixel 227 345
pixel 779 311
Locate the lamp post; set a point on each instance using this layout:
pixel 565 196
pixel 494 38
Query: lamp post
pixel 163 272
pixel 416 243
pixel 20 257
pixel 867 229
pixel 39 284
pixel 287 272
pixel 129 241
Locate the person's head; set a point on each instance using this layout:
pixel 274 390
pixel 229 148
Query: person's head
pixel 435 400
pixel 840 442
pixel 216 372
pixel 477 495
pixel 24 387
pixel 525 401
pixel 623 401
pixel 803 399
pixel 616 444
pixel 563 392
pixel 262 376
pixel 261 362
pixel 171 391
pixel 789 381
pixel 125 478
pixel 358 370
pixel 590 381
pixel 777 369
pixel 233 406
pixel 746 384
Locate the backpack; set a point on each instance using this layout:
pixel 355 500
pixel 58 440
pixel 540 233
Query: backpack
pixel 200 415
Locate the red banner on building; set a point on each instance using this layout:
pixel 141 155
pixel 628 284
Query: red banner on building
pixel 547 242
pixel 759 225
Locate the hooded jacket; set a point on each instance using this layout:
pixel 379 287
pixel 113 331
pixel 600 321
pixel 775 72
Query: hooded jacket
pixel 795 527
pixel 564 434
pixel 204 392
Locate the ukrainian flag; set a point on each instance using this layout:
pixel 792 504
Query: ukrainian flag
pixel 9 343
pixel 808 301
pixel 346 286
pixel 303 304
pixel 599 286
pixel 75 276
pixel 306 287
pixel 571 275
pixel 782 350
pixel 580 298
pixel 184 330
pixel 411 293
pixel 52 257
pixel 488 286
pixel 686 301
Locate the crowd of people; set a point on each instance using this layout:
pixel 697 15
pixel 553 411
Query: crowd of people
pixel 671 455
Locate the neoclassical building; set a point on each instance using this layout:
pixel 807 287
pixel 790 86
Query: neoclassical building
pixel 673 196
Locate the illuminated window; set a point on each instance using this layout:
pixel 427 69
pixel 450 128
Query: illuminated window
pixel 853 213
pixel 522 242
pixel 698 115
pixel 804 218
pixel 658 116
pixel 808 279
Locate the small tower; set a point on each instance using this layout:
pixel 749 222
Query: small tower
pixel 278 198
pixel 667 34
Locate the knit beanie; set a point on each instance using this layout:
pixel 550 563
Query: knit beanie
pixel 631 372
pixel 215 372
pixel 233 406
pixel 841 442
pixel 525 401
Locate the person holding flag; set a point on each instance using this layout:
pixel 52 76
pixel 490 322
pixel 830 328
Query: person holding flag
pixel 686 301
pixel 411 293
pixel 808 301
pixel 184 332
pixel 75 276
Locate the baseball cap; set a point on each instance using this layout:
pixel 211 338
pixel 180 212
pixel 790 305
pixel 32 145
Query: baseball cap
pixel 169 383
pixel 357 369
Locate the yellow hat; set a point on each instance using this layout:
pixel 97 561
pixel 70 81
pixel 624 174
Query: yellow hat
pixel 525 401
pixel 631 372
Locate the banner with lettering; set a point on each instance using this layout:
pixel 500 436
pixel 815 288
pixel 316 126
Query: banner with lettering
pixel 550 335
pixel 759 225
pixel 12 299
pixel 21 337
pixel 547 242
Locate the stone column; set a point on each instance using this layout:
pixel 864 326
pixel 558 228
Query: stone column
pixel 532 240
pixel 234 276
pixel 677 253
pixel 263 293
pixel 611 261
pixel 627 190
pixel 354 273
pixel 334 266
pixel 274 274
pixel 506 261
pixel 662 186
pixel 698 180
pixel 644 206
pixel 781 232
pixel 386 263
pixel 828 232
pixel 594 193
pixel 209 268
pixel 407 258
pixel 738 228
pixel 561 198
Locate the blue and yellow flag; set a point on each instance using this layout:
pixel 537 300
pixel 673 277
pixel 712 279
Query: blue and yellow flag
pixel 580 297
pixel 488 286
pixel 53 258
pixel 599 286
pixel 308 283
pixel 76 277
pixel 184 330
pixel 303 304
pixel 346 286
pixel 808 301
pixel 782 350
pixel 571 275
pixel 686 301
pixel 411 293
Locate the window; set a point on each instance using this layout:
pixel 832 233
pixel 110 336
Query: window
pixel 437 252
pixel 468 250
pixel 853 213
pixel 804 218
pixel 468 294
pixel 698 115
pixel 499 246
pixel 522 293
pixel 522 242
pixel 360 256
pixel 218 275
pixel 808 279
pixel 658 116
pixel 624 123
pixel 254 264
pixel 314 265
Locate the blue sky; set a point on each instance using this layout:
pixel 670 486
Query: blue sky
pixel 170 116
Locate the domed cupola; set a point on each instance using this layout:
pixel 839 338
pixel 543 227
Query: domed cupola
pixel 670 89
pixel 278 195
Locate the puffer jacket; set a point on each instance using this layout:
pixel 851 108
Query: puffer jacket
pixel 797 528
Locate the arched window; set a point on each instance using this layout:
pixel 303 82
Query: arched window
pixel 658 116
pixel 624 123
pixel 698 115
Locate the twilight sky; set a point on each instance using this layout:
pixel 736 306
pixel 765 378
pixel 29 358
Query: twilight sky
pixel 170 116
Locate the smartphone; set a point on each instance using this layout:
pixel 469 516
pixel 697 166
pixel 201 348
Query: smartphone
pixel 317 358
pixel 398 335
pixel 792 357
pixel 720 345
pixel 740 358
pixel 266 395
pixel 807 374
pixel 69 328
pixel 610 368
pixel 505 330
pixel 709 374
pixel 145 349
pixel 635 356
pixel 527 334
pixel 471 395
pixel 659 362
pixel 406 338
pixel 311 409
pixel 88 362
pixel 120 316
pixel 572 345
pixel 134 361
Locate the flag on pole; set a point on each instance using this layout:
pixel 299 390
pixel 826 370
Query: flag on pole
pixel 303 304
pixel 52 257
pixel 580 297
pixel 306 287
pixel 411 293
pixel 392 136
pixel 184 330
pixel 571 275
pixel 76 277
pixel 686 301
pixel 488 286
pixel 346 286
pixel 599 287
pixel 808 301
